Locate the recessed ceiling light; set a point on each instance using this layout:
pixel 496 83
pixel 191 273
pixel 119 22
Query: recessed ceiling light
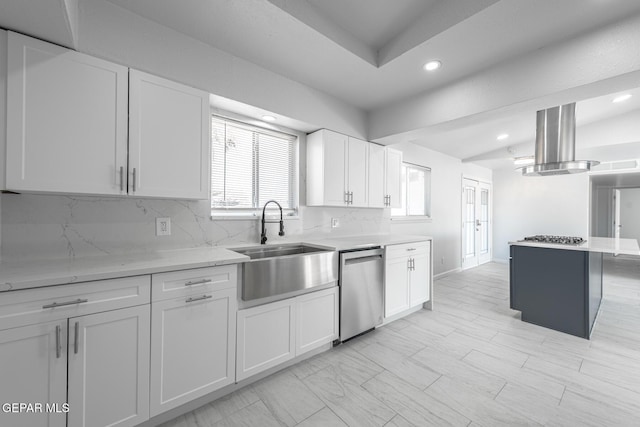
pixel 502 136
pixel 268 118
pixel 622 97
pixel 432 65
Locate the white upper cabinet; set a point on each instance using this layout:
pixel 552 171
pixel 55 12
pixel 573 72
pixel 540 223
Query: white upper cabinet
pixel 358 172
pixel 384 177
pixel 377 194
pixel 66 120
pixel 337 169
pixel 326 168
pixel 393 183
pixel 168 138
pixel 81 125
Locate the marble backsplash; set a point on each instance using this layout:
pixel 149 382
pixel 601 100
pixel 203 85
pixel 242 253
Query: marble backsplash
pixel 52 226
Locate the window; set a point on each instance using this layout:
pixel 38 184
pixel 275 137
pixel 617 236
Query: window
pixel 249 166
pixel 416 192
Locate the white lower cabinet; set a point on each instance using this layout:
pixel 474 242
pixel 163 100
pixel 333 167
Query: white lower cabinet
pixel 192 347
pixel 317 322
pixel 271 334
pixel 407 279
pixel 108 357
pixel 33 368
pixel 55 350
pixel 265 337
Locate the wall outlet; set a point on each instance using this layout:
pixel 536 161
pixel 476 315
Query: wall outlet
pixel 335 222
pixel 163 226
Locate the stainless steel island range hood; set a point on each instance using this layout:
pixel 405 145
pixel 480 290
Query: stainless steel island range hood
pixel 555 144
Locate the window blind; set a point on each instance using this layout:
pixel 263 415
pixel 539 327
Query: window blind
pixel 250 165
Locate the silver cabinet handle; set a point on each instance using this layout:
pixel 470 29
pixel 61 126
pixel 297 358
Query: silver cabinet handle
pixel 389 199
pixel 413 264
pixel 351 197
pixel 198 282
pixel 411 249
pixel 58 346
pixel 62 304
pixel 121 178
pixel 203 297
pixel 133 185
pixel 75 341
pixel 346 197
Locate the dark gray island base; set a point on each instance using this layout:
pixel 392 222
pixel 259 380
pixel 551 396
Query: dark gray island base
pixel 556 288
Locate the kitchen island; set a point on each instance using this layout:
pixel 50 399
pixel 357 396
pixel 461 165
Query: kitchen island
pixel 560 286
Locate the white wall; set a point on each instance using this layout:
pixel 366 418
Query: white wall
pixel 446 184
pixel 524 206
pixel 630 213
pixel 111 32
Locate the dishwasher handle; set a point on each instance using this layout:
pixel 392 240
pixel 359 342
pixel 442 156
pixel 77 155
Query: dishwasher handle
pixel 359 260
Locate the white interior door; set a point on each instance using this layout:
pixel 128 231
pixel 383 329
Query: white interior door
pixel 616 214
pixel 476 223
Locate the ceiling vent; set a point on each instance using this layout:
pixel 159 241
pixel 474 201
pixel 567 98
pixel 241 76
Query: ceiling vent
pixel 555 144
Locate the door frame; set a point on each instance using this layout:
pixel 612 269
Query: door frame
pixel 478 185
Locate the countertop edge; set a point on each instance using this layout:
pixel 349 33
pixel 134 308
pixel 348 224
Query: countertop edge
pixel 18 276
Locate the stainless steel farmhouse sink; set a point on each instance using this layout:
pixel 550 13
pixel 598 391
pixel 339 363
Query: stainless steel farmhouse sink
pixel 286 269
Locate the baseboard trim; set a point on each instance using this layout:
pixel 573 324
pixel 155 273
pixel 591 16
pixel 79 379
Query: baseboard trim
pixel 447 273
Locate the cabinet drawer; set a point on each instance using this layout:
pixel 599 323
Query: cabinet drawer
pixel 188 282
pixel 46 304
pixel 407 249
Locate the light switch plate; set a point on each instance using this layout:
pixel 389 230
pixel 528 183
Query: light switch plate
pixel 335 223
pixel 163 226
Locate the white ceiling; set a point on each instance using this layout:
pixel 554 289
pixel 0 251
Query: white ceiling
pixel 370 53
pixel 265 34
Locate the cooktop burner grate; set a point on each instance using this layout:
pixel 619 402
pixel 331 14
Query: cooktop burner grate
pixel 562 240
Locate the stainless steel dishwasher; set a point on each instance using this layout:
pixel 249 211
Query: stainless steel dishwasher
pixel 361 291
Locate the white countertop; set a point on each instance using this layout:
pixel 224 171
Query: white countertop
pixel 607 245
pixel 356 242
pixel 32 273
pixel 24 274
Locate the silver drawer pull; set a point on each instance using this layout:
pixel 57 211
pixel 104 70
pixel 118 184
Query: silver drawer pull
pixel 203 297
pixel 58 344
pixel 75 341
pixel 198 282
pixel 411 249
pixel 62 304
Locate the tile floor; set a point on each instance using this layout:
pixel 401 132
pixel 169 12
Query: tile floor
pixel 470 362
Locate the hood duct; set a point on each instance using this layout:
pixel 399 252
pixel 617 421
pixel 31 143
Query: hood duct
pixel 555 143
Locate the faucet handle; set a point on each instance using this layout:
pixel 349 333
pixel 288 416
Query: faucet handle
pixel 281 232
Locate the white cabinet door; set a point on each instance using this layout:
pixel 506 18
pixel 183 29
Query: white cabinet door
pixel 265 337
pixel 358 160
pixel 326 168
pixel 168 139
pixel 396 286
pixel 193 345
pixel 32 370
pixel 66 120
pixel 420 278
pixel 377 176
pixel 393 171
pixel 109 368
pixel 317 319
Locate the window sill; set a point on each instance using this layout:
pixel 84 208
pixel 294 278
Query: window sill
pixel 411 219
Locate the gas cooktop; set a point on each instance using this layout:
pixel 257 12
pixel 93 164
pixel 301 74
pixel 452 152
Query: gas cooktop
pixel 561 240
